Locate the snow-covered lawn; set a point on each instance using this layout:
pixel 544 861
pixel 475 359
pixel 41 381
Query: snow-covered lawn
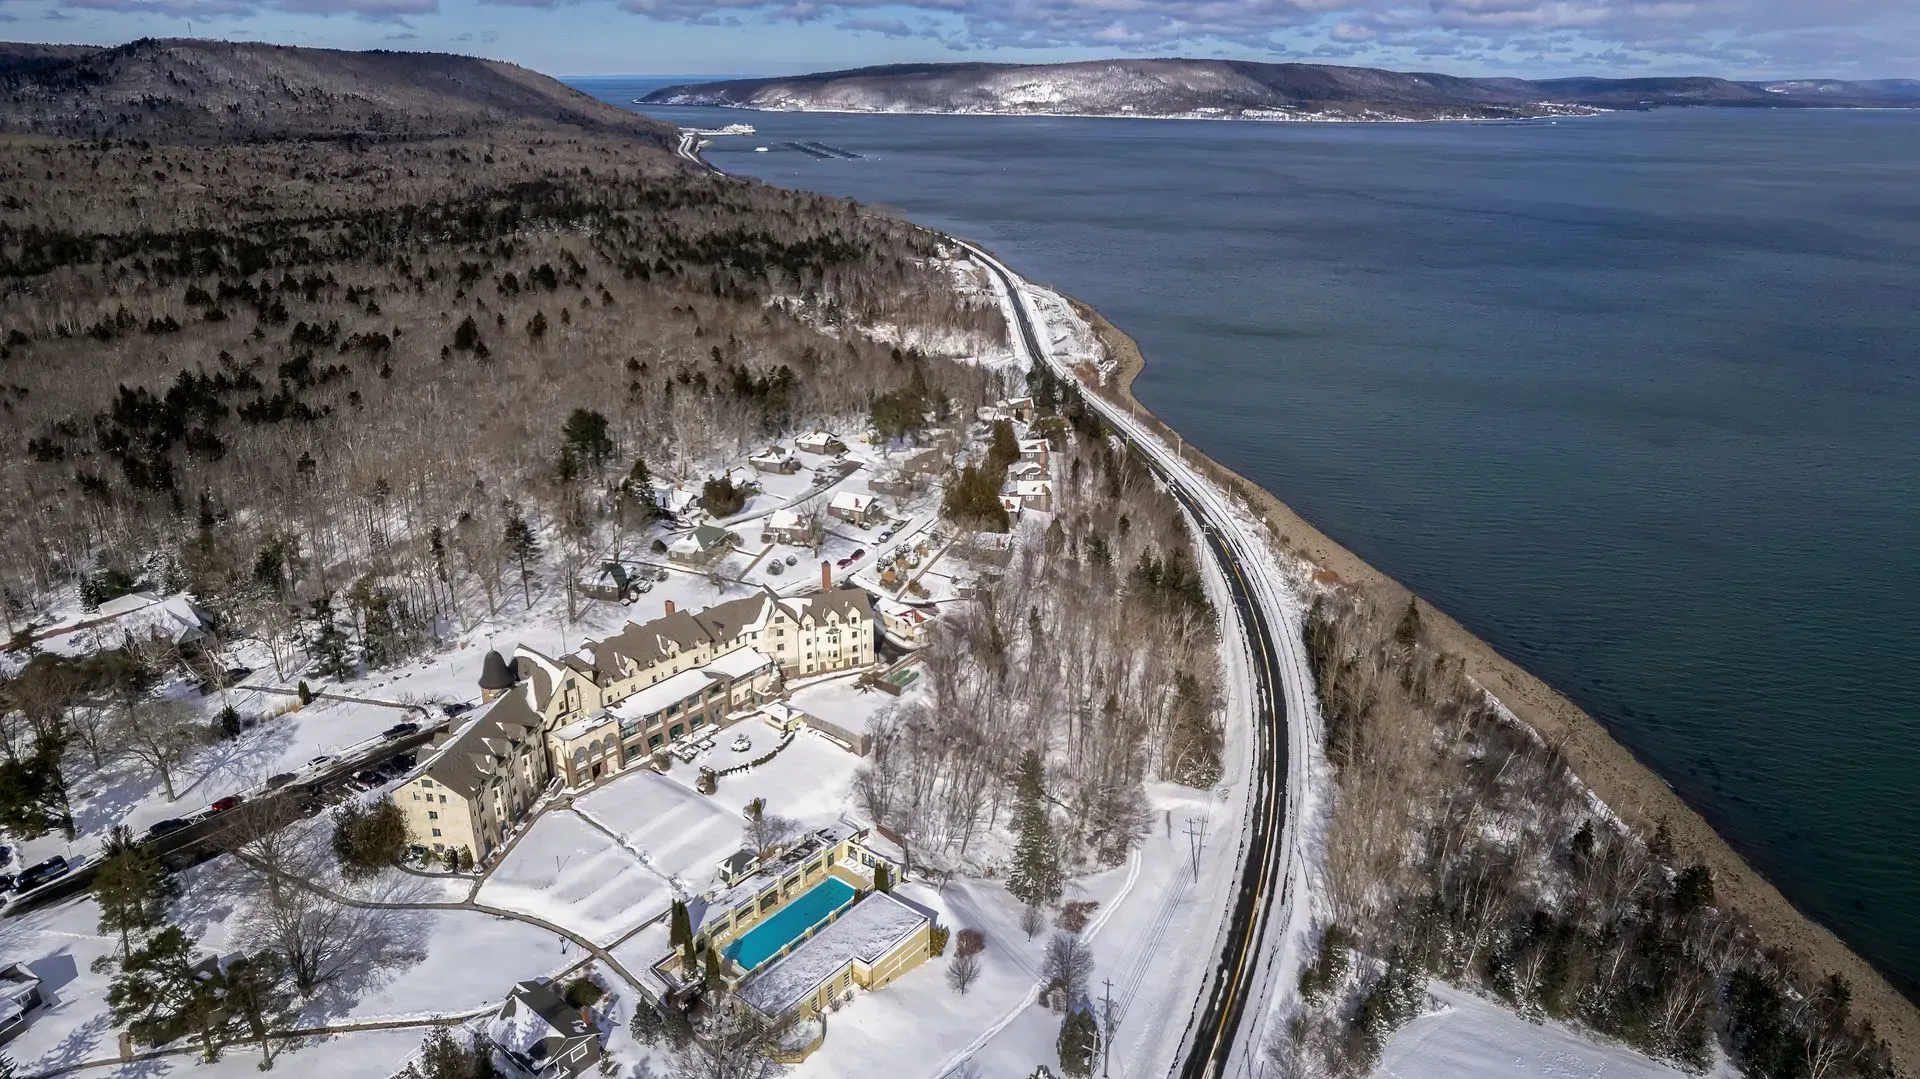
pixel 572 874
pixel 374 1054
pixel 679 833
pixel 1471 1038
pixel 808 781
pixel 844 703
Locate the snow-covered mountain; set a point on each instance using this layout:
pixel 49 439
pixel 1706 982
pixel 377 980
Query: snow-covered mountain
pixel 1241 90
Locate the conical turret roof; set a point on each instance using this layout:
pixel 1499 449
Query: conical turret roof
pixel 494 672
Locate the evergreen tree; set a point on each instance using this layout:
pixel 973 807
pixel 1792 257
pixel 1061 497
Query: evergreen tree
pixel 131 888
pixel 680 933
pixel 714 970
pixel 1034 877
pixel 332 651
pixel 1407 633
pixel 33 791
pixel 522 546
pixel 156 996
pixel 585 434
pixel 368 839
pixel 1079 1042
pixel 256 990
pixel 883 878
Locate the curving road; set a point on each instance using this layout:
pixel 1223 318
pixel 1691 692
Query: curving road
pixel 1217 1033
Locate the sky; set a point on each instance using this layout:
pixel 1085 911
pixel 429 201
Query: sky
pixel 1735 38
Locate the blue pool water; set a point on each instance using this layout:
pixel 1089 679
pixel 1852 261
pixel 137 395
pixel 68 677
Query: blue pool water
pixel 790 923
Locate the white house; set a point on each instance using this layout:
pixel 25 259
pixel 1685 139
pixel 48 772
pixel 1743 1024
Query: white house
pixel 820 442
pixel 1034 449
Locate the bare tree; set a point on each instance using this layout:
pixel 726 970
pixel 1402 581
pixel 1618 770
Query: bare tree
pixel 1032 921
pixel 733 1043
pixel 296 907
pixel 767 832
pixel 160 734
pixel 963 971
pixel 1067 966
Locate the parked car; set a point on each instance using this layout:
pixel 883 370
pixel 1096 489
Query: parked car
pixel 231 801
pixel 454 709
pixel 280 780
pixel 366 779
pixel 321 761
pixel 845 562
pixel 165 827
pixel 401 730
pixel 886 535
pixel 36 875
pixel 859 554
pixel 235 674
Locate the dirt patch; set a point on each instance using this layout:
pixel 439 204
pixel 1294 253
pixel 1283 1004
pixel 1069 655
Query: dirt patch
pixel 1628 787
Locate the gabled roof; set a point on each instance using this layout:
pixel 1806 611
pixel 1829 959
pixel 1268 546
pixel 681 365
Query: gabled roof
pixel 465 762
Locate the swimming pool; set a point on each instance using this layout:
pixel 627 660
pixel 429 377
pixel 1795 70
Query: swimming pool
pixel 790 923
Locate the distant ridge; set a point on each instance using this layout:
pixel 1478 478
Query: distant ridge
pixel 196 92
pixel 1244 90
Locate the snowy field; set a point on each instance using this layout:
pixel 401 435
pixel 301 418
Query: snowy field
pixel 1471 1038
pixel 570 873
pixel 844 703
pixel 677 833
pixel 463 961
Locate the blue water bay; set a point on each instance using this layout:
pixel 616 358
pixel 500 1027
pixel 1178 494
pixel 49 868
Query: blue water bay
pixel 1635 397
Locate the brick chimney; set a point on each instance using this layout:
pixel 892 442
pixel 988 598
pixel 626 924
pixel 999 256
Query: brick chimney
pixel 669 606
pixel 826 576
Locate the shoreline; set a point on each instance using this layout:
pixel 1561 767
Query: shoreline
pixel 1587 112
pixel 1626 786
pixel 1629 788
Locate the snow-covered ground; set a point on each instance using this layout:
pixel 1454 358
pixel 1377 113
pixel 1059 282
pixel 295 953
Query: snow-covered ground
pixel 573 874
pixel 1466 1037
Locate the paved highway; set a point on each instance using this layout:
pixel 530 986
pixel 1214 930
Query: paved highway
pixel 1214 1033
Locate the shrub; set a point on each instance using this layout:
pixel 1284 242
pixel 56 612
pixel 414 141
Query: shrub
pixel 227 723
pixel 585 993
pixel 1073 917
pixel 972 942
pixel 937 940
pixel 306 693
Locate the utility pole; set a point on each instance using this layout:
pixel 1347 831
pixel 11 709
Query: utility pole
pixel 1196 842
pixel 1106 1024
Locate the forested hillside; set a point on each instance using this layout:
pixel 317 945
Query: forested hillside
pixel 200 92
pixel 271 370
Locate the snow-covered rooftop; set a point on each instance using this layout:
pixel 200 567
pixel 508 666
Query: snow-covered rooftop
pixel 875 926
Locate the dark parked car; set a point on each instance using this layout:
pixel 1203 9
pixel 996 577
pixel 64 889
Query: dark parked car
pixel 861 553
pixel 400 730
pixel 454 709
pixel 280 780
pixel 231 801
pixel 165 827
pixel 367 779
pixel 41 873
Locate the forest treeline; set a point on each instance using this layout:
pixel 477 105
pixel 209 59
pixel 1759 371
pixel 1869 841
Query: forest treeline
pixel 1462 848
pixel 1088 667
pixel 273 374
